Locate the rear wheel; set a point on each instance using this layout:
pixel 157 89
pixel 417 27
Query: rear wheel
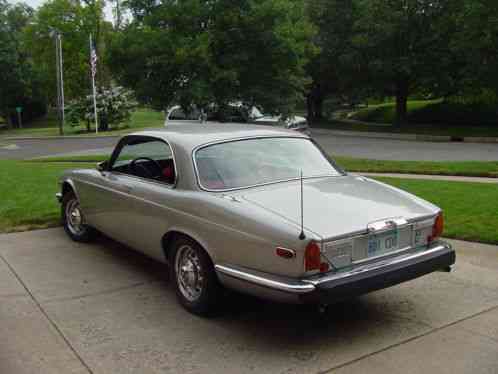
pixel 197 287
pixel 73 220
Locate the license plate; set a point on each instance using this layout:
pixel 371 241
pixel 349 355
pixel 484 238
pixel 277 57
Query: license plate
pixel 382 243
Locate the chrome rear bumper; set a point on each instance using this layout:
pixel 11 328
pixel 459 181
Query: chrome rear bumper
pixel 327 288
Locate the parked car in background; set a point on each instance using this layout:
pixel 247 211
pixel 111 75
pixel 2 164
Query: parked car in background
pixel 257 209
pixel 237 113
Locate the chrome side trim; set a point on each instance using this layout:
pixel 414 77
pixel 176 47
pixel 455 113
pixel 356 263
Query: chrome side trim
pixel 303 286
pixel 377 265
pixel 268 281
pixel 365 233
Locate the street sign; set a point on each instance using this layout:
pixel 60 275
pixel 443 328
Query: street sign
pixel 19 118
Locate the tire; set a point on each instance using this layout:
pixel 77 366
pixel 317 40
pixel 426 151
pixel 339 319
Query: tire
pixel 196 284
pixel 74 227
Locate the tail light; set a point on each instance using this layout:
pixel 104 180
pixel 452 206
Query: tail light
pixel 437 229
pixel 312 258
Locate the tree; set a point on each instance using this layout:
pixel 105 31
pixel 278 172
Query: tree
pixel 476 41
pixel 215 51
pixel 75 21
pixel 337 69
pixel 406 44
pixel 19 83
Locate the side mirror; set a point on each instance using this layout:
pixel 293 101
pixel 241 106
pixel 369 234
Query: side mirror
pixel 102 166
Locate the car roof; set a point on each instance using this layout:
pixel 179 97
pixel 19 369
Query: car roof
pixel 190 136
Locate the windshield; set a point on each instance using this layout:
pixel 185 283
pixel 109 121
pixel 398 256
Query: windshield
pixel 250 162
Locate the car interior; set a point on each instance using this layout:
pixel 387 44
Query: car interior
pixel 149 159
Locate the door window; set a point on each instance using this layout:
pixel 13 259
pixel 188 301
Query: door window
pixel 147 158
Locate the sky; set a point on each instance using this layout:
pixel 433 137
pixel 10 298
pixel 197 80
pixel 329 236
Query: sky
pixel 36 3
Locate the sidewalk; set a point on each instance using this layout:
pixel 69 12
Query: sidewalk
pixel 432 177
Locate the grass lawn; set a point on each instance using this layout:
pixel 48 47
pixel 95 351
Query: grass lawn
pixel 431 117
pixel 470 209
pixel 142 118
pixel 27 194
pixel 462 168
pixel 27 199
pixel 385 113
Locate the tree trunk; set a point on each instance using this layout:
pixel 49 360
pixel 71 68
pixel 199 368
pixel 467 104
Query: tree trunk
pixel 401 103
pixel 6 115
pixel 319 107
pixel 309 108
pixel 314 103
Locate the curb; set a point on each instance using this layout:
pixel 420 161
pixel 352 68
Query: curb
pixel 395 136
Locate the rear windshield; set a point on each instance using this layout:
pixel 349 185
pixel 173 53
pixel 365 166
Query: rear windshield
pixel 251 162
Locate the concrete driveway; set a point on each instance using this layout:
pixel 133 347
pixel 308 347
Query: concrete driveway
pixel 101 308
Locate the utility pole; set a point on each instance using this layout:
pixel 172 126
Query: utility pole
pixel 93 68
pixel 61 71
pixel 60 77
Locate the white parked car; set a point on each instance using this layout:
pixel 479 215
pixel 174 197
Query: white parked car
pixel 239 114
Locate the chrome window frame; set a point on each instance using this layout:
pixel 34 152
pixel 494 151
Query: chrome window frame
pixel 339 170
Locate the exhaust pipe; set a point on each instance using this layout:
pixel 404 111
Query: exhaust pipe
pixel 446 269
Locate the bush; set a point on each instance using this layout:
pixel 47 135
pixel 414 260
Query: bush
pixel 114 107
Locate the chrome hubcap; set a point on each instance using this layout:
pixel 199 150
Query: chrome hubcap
pixel 189 273
pixel 74 218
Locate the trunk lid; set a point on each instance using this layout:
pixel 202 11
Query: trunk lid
pixel 336 206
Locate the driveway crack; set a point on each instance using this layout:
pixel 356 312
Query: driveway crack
pixel 436 329
pixel 98 293
pixel 45 314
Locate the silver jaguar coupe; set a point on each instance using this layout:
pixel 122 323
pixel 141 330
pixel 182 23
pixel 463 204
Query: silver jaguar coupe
pixel 260 210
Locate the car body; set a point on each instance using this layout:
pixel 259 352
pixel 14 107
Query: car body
pixel 269 212
pixel 239 113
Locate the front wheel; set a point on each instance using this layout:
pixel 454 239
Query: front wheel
pixel 73 220
pixel 197 287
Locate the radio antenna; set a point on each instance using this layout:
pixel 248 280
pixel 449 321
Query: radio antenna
pixel 301 235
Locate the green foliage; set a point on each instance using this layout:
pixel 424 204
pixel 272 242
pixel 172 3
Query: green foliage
pixel 456 112
pixel 476 42
pixel 206 52
pixel 114 107
pixel 402 47
pixel 75 21
pixel 19 81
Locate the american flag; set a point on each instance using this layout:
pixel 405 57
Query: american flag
pixel 93 60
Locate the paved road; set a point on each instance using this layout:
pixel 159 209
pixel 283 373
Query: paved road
pixel 381 149
pixel 389 149
pixel 27 148
pixel 101 308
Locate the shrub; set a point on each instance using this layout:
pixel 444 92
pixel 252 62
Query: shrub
pixel 114 107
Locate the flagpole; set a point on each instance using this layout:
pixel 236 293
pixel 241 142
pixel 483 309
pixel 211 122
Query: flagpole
pixel 93 69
